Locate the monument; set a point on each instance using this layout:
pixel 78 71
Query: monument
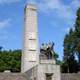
pixel 37 65
pixel 30 48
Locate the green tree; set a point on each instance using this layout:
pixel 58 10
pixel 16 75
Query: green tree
pixel 10 60
pixel 69 44
pixel 72 46
pixel 77 34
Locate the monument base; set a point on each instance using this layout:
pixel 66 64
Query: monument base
pixel 44 72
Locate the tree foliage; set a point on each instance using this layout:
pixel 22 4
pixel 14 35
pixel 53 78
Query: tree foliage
pixel 72 48
pixel 10 60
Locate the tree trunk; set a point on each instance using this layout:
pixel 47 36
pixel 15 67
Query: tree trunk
pixel 79 58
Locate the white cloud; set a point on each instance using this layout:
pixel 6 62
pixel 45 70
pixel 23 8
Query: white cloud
pixel 67 30
pixel 66 12
pixel 75 4
pixel 63 10
pixel 5 23
pixel 8 1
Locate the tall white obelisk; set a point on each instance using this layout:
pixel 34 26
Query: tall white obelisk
pixel 30 48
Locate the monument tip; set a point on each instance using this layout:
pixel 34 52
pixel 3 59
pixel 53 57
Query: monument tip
pixel 31 6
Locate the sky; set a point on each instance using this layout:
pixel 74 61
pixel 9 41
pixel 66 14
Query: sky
pixel 55 18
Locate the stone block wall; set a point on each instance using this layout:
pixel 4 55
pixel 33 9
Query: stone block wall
pixel 73 76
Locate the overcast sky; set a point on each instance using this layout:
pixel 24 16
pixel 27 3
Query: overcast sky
pixel 55 18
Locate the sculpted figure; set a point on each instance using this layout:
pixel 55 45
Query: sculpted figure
pixel 47 51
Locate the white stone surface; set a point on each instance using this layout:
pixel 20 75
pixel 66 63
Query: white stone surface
pixel 49 69
pixel 30 43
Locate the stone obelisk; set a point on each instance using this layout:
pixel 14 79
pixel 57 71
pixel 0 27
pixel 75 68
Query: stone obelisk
pixel 30 45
